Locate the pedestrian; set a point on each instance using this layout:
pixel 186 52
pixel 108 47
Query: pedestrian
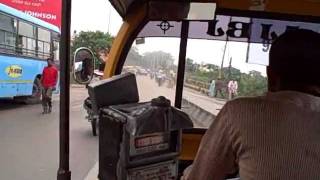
pixel 232 89
pixel 49 80
pixel 212 88
pixel 219 88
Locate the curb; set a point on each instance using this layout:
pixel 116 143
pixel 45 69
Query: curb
pixel 77 86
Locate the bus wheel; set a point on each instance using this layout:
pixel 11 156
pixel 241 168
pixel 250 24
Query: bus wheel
pixel 95 127
pixel 35 98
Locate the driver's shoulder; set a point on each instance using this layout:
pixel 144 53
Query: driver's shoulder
pixel 244 102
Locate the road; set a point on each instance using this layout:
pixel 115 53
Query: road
pixel 148 89
pixel 29 140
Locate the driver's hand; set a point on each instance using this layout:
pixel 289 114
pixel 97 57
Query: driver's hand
pixel 186 173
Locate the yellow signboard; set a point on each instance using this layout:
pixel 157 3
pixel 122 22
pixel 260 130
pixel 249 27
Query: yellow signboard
pixel 14 71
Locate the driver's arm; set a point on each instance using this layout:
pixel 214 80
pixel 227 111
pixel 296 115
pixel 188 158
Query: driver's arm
pixel 216 156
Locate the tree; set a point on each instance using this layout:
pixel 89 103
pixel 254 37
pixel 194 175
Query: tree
pixel 95 41
pixel 134 58
pixel 158 60
pixel 191 66
pixel 252 84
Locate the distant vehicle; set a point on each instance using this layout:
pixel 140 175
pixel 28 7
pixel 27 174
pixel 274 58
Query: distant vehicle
pixel 25 44
pixel 160 78
pixel 131 69
pixel 142 71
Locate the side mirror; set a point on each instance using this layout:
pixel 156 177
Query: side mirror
pixel 83 65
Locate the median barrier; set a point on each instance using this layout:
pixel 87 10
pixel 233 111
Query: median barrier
pixel 199 116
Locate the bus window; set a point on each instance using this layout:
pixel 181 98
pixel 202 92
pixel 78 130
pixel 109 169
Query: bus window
pixel 216 72
pixel 46 50
pixel 27 36
pixel 40 49
pixel 155 66
pixel 55 46
pixel 7 34
pixel 44 38
pixel 56 50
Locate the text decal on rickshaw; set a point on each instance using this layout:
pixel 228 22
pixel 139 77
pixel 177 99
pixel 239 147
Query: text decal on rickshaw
pixel 243 29
pixel 252 29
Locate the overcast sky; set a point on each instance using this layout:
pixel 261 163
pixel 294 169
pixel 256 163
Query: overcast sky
pixel 96 15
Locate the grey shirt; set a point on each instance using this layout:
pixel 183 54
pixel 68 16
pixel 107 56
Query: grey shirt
pixel 274 137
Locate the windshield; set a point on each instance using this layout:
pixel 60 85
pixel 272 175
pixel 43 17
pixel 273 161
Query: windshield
pixel 226 58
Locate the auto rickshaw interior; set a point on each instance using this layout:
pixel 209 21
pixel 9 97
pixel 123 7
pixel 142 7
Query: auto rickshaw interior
pixel 199 55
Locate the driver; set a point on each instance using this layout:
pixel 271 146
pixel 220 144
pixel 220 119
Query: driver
pixel 86 70
pixel 275 136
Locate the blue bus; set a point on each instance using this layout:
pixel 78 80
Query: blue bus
pixel 25 44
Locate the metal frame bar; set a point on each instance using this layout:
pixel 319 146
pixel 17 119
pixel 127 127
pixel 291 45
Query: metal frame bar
pixel 125 37
pixel 182 63
pixel 128 46
pixel 64 172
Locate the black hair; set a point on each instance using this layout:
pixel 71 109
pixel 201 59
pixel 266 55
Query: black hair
pixel 50 59
pixel 295 57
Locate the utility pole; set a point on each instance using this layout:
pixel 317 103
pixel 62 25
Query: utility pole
pixel 230 66
pixel 109 18
pixel 222 62
pixel 224 53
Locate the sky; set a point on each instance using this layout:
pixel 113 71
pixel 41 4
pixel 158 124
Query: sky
pixel 100 15
pixel 95 16
pixel 205 52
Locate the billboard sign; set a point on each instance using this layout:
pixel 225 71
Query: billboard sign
pixel 47 10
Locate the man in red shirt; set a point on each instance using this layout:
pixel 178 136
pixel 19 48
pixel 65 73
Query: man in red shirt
pixel 48 81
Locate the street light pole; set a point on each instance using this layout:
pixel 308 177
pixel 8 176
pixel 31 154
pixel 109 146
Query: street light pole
pixel 109 18
pixel 64 172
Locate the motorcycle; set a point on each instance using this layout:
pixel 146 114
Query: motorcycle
pixel 92 117
pixel 160 79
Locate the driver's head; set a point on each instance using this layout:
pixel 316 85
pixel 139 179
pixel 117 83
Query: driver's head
pixel 294 62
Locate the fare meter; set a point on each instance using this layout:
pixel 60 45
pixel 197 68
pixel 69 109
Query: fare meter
pixel 140 141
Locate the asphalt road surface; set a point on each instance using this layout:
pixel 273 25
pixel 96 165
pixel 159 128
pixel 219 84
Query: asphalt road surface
pixel 29 141
pixel 148 89
pixel 29 148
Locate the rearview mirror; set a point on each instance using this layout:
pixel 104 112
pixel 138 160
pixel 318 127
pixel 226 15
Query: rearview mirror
pixel 83 65
pixel 186 10
pixel 202 11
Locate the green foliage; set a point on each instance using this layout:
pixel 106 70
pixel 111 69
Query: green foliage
pixel 133 58
pixel 155 60
pixel 158 60
pixel 251 84
pixel 95 41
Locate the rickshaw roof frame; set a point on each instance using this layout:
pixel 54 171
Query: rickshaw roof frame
pixel 306 8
